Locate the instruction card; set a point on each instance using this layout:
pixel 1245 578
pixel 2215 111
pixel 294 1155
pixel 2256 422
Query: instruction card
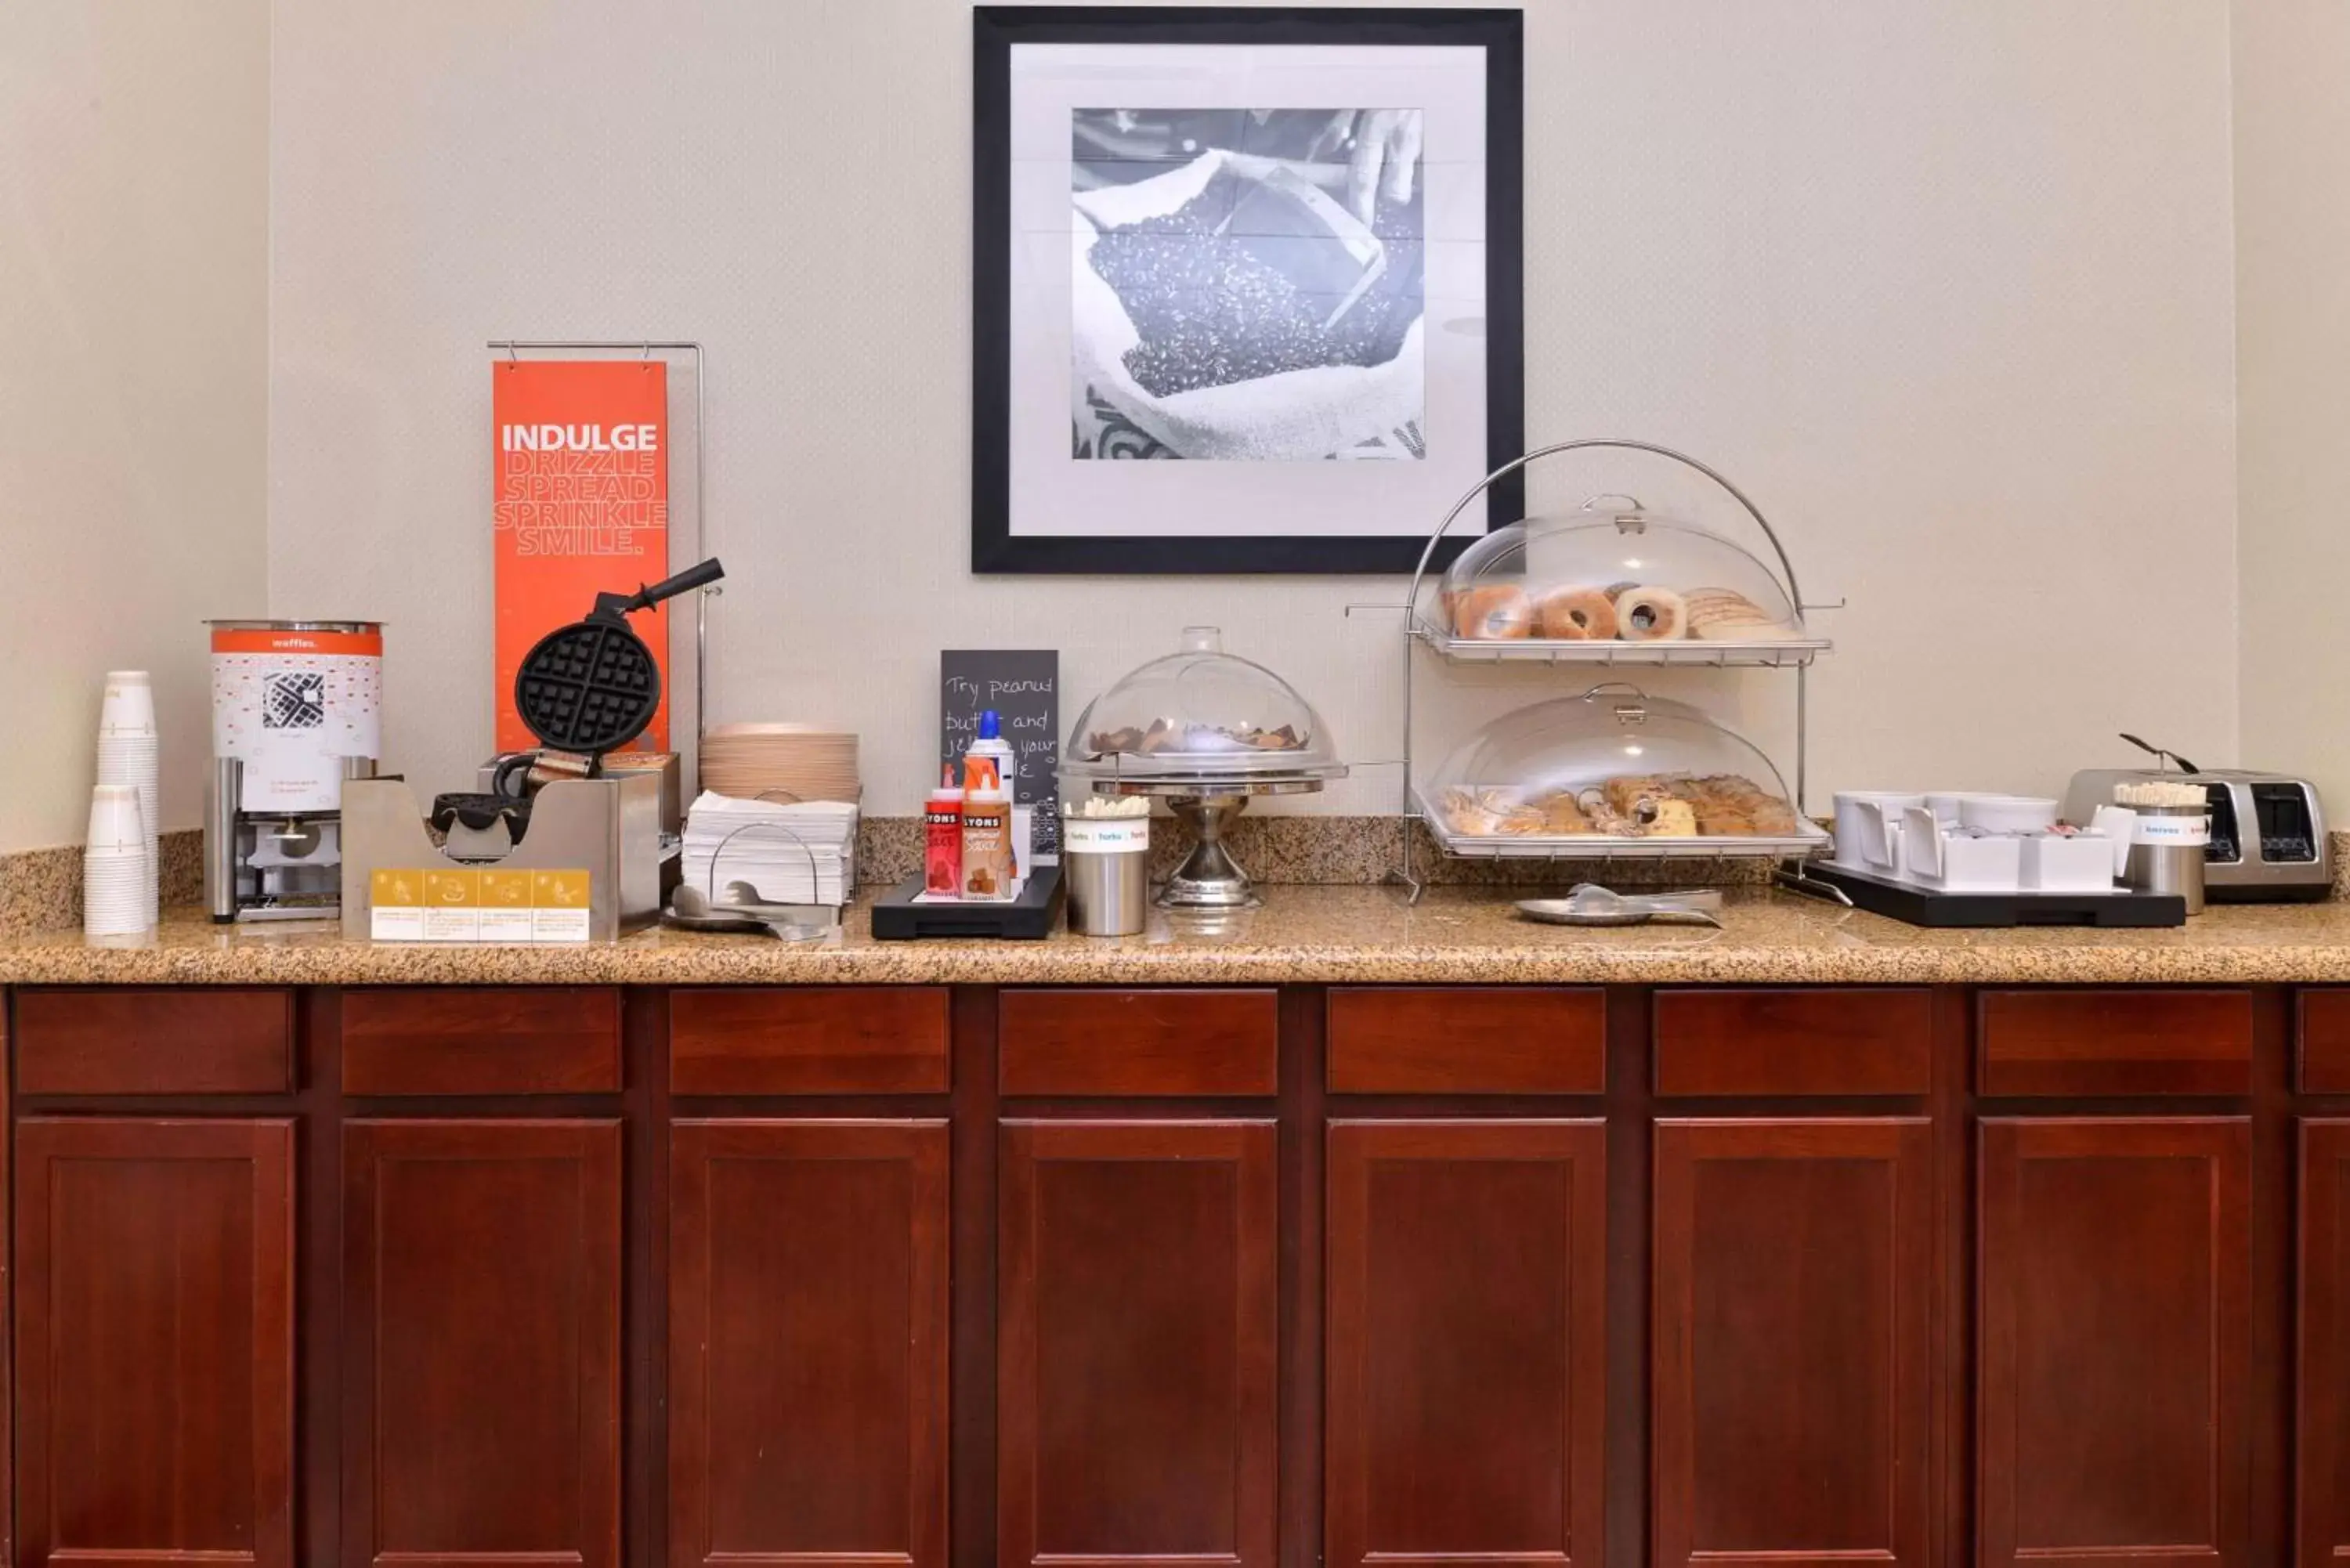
pixel 461 904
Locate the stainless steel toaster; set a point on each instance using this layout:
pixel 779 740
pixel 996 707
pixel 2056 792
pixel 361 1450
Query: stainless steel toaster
pixel 2267 830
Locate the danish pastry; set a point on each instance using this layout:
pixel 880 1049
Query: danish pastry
pixel 1562 815
pixel 1731 805
pixel 1605 817
pixel 1674 819
pixel 1636 796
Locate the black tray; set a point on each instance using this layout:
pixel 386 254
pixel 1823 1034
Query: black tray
pixel 1032 917
pixel 1931 906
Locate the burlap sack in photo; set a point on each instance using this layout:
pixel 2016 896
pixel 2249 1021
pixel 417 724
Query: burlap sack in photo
pixel 1324 411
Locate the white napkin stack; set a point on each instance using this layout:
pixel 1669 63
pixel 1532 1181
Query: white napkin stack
pixel 803 853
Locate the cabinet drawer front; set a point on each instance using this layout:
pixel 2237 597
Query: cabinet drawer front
pixel 2324 1028
pixel 1467 1040
pixel 1137 1043
pixel 136 1042
pixel 813 1040
pixel 551 1040
pixel 1795 1042
pixel 2139 1042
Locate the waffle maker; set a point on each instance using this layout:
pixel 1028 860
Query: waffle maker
pixel 583 690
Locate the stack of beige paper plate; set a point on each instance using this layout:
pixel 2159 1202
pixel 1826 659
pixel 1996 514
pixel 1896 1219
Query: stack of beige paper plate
pixel 780 762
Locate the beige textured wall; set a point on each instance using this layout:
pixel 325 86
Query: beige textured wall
pixel 133 341
pixel 2293 323
pixel 1947 285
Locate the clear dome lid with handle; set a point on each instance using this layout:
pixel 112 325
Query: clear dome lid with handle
pixel 1612 764
pixel 1200 713
pixel 1612 572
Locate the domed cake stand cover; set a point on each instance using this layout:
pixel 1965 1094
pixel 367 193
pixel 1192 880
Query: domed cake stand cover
pixel 1205 731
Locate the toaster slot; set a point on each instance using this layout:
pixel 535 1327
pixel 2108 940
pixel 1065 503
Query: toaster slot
pixel 2287 834
pixel 2225 849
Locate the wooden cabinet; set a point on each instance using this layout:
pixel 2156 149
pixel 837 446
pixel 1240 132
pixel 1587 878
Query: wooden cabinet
pixel 1137 1322
pixel 809 1040
pixel 1110 1042
pixel 1790 1301
pixel 1793 1342
pixel 808 1336
pixel 482 1342
pixel 1795 1041
pixel 1467 1040
pixel 154 1317
pixel 2115 1330
pixel 230 1040
pixel 2145 1041
pixel 2323 1384
pixel 426 1041
pixel 1466 1347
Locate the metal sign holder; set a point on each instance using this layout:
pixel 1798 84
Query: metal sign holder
pixel 689 355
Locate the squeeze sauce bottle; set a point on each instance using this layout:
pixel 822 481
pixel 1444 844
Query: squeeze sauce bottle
pixel 942 839
pixel 990 764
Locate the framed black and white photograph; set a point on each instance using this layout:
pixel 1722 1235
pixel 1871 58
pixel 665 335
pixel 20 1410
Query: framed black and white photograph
pixel 1247 286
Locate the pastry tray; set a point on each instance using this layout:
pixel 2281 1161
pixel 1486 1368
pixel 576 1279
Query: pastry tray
pixel 1693 652
pixel 2124 907
pixel 1807 840
pixel 1032 917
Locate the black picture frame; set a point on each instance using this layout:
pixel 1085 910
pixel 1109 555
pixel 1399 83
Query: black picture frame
pixel 995 549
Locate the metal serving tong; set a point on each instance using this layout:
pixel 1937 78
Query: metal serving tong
pixel 1589 904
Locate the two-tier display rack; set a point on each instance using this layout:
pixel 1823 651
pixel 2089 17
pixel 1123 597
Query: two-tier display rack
pixel 1604 661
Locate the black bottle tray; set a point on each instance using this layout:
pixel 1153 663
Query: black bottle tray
pixel 1032 917
pixel 1932 906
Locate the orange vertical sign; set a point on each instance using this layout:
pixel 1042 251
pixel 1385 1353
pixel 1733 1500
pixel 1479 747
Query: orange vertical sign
pixel 580 499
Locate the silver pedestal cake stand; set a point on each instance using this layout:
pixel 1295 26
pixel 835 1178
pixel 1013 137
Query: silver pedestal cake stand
pixel 1209 878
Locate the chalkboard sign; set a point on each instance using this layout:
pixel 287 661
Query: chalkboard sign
pixel 1023 687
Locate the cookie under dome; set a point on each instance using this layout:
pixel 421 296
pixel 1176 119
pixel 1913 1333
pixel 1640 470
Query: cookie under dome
pixel 1200 716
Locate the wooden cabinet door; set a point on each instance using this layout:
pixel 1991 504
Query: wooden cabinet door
pixel 1794 1342
pixel 1467 1343
pixel 2322 1385
pixel 482 1344
pixel 2114 1325
pixel 1139 1329
pixel 154 1309
pixel 808 1336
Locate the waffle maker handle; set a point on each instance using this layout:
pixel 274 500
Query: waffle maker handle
pixel 613 606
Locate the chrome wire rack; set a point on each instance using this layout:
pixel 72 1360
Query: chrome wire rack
pixel 1796 654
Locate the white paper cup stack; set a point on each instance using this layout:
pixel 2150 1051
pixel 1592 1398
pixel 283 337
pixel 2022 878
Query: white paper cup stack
pixel 129 754
pixel 114 865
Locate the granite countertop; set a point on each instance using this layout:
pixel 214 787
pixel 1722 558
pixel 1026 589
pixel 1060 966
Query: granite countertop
pixel 1303 934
